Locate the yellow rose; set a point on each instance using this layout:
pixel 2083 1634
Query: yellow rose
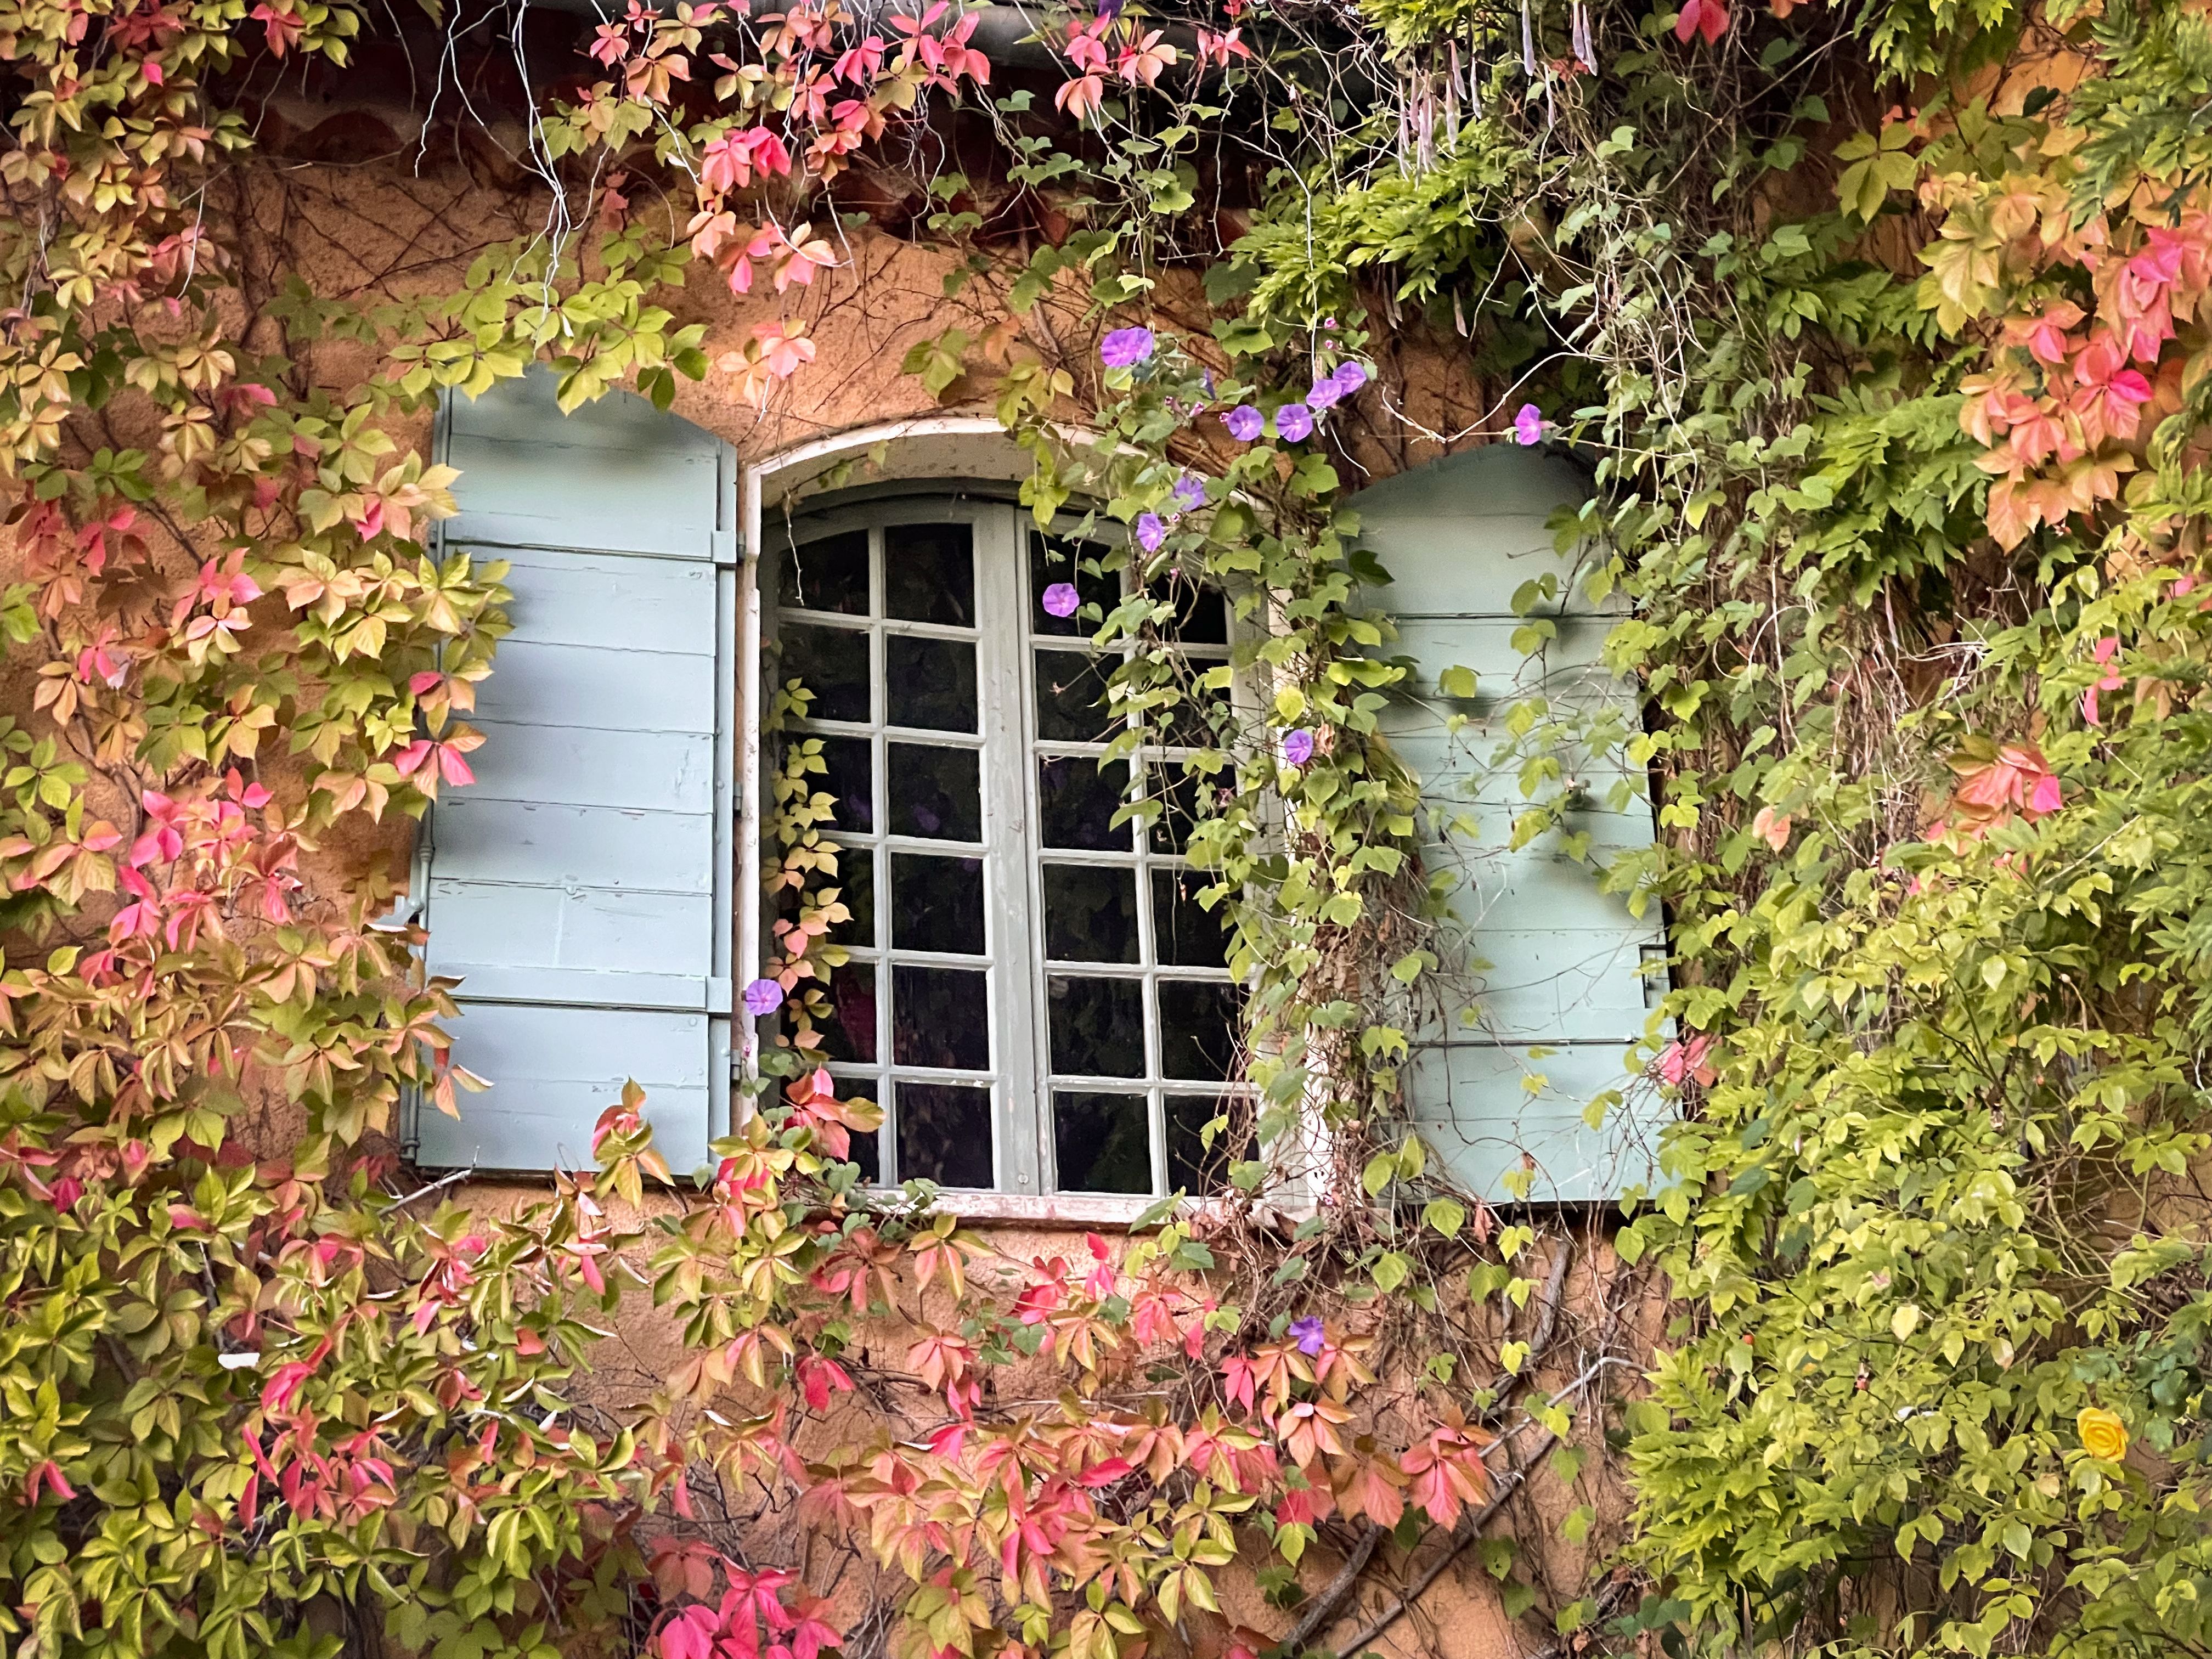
pixel 2102 1434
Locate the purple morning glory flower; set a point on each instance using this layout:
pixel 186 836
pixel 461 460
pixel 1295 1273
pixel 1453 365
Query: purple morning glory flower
pixel 1324 392
pixel 1298 748
pixel 1308 1333
pixel 1061 599
pixel 1151 531
pixel 1349 377
pixel 1190 492
pixel 1125 348
pixel 1529 424
pixel 764 996
pixel 1244 422
pixel 1294 422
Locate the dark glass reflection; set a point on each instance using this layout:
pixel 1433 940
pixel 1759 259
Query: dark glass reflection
pixel 1102 1142
pixel 936 792
pixel 1197 1027
pixel 856 891
pixel 1193 1167
pixel 1185 934
pixel 940 1017
pixel 1071 697
pixel 848 774
pixel 1203 719
pixel 929 573
pixel 1180 793
pixel 1097 1026
pixel 937 904
pixel 1202 614
pixel 833 663
pixel 1052 560
pixel 849 1033
pixel 868 1152
pixel 945 1134
pixel 1090 913
pixel 830 575
pixel 929 683
pixel 1076 802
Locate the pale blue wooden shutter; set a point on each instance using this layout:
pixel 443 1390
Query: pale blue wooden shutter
pixel 581 888
pixel 1458 538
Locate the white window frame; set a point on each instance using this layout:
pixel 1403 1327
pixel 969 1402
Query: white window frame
pixel 912 451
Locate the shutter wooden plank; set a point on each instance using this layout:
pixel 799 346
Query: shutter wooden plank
pixel 586 928
pixel 574 767
pixel 613 601
pixel 615 476
pixel 603 688
pixel 575 888
pixel 1470 1105
pixel 1460 537
pixel 556 845
pixel 556 1069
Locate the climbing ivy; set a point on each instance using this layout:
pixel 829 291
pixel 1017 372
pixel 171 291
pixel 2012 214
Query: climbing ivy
pixel 1894 418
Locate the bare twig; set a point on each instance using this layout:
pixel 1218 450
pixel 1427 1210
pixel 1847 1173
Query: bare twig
pixel 1609 1603
pixel 1322 1608
pixel 1508 1483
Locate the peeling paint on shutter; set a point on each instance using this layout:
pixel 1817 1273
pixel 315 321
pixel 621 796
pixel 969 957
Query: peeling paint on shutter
pixel 1458 538
pixel 581 888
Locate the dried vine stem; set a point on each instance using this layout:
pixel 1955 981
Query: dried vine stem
pixel 1324 1607
pixel 1509 1483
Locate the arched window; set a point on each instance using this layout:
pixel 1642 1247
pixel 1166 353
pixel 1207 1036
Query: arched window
pixel 1034 992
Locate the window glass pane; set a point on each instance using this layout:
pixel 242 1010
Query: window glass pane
pixel 1179 793
pixel 1054 560
pixel 856 891
pixel 830 575
pixel 833 662
pixel 940 1017
pixel 1090 913
pixel 937 904
pixel 1077 801
pixel 929 573
pixel 1185 934
pixel 1071 697
pixel 1197 1027
pixel 1102 1142
pixel 945 1134
pixel 936 792
pixel 1192 1166
pixel 1097 1026
pixel 1201 614
pixel 930 683
pixel 849 1033
pixel 1202 718
pixel 849 774
pixel 868 1152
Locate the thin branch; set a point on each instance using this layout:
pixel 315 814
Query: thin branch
pixel 1508 1483
pixel 1323 1609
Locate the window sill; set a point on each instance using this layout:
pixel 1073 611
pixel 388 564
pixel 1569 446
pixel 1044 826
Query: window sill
pixel 1094 1210
pixel 1046 1209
